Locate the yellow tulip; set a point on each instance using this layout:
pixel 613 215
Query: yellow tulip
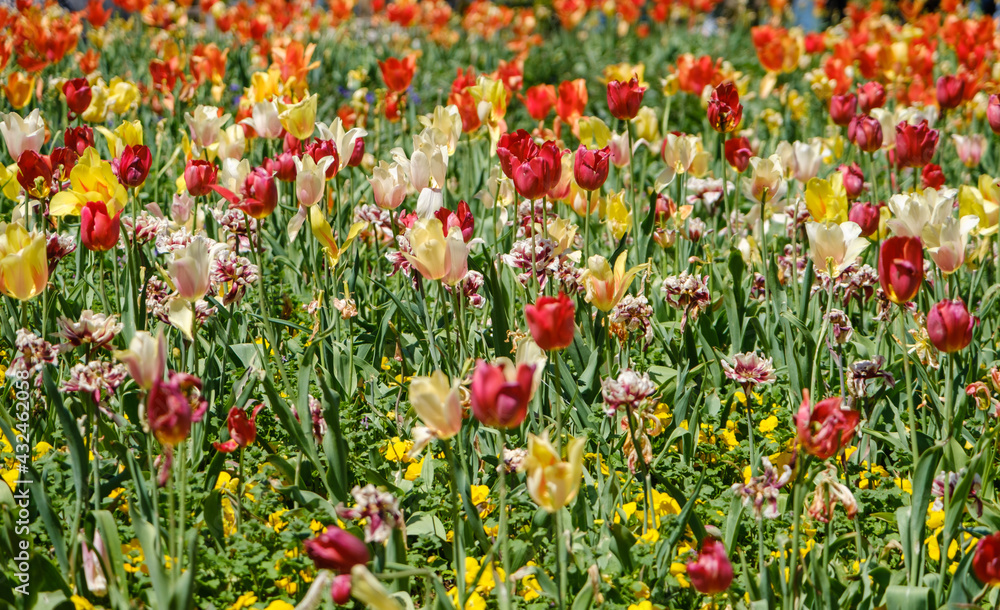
pixel 552 481
pixel 264 85
pixel 9 185
pixel 18 89
pixel 594 133
pixel 624 72
pixel 122 96
pixel 91 180
pixel 299 119
pixel 646 126
pixel 24 269
pixel 491 103
pixel 97 111
pixel 321 229
pixel 619 216
pixel 129 133
pixel 438 403
pixel 436 256
pixel 606 286
pixel 826 200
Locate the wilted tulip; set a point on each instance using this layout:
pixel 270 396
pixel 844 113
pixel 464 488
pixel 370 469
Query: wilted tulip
pixel 825 429
pixel 901 268
pixel 99 231
pixel 501 393
pixel 173 405
pixel 242 429
pixel 625 98
pixel 337 550
pixel 949 326
pixel 711 573
pixel 553 482
pixel 551 322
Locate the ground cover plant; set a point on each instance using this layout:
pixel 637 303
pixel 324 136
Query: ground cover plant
pixel 629 305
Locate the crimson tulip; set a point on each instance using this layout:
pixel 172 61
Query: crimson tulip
pixel 337 550
pixel 901 268
pixel 915 144
pixel 173 405
pixel 711 573
pixel 986 561
pixel 738 153
pixel 282 166
pixel 949 326
pixel 865 215
pixel 78 95
pixel 724 108
pixel 825 429
pixel 625 98
pixel 65 158
pixel 359 153
pixel 99 231
pixel 551 321
pixel 932 177
pixel 871 95
pixel 132 166
pixel 590 167
pixel 461 218
pixel 260 194
pixel 200 177
pixel 79 138
pixel 866 132
pixel 533 169
pixel 242 429
pixel 34 173
pixel 325 148
pixel 854 180
pixel 501 393
pixel 843 108
pixel 950 90
pixel 340 590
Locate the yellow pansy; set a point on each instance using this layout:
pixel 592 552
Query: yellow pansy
pixel 246 600
pixel 396 450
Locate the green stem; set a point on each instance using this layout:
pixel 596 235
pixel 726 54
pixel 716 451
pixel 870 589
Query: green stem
pixel 502 528
pixel 910 409
pixel 458 552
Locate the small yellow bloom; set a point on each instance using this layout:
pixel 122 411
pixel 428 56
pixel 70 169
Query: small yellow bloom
pixel 19 89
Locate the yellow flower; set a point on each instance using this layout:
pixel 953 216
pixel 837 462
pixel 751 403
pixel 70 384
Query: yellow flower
pixel 275 522
pixel 18 89
pixel 826 200
pixel 594 133
pixel 323 232
pixel 122 96
pixel 280 605
pixel 264 85
pixel 97 111
pixel 396 450
pixel 491 103
pixel 903 484
pixel 435 255
pixel 244 601
pixel 24 269
pixel 92 179
pixel 80 603
pixel 473 602
pixel 646 125
pixel 413 470
pixel 531 589
pixel 769 424
pixel 480 495
pixel 625 72
pixel 679 571
pixel 8 181
pixel 553 482
pixel 134 557
pixel 299 119
pixel 619 216
pixel 129 133
pixel 605 287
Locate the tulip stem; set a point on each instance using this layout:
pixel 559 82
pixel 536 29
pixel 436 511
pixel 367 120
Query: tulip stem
pixel 949 400
pixel 725 182
pixel 458 553
pixel 798 490
pixel 239 492
pixel 561 558
pixel 556 402
pixel 910 410
pixel 262 296
pixel 502 527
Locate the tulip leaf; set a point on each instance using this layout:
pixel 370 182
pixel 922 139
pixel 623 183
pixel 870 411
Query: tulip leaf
pixel 901 597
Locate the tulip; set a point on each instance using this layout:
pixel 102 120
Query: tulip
pixel 232 142
pixel 281 166
pixel 129 133
pixel 871 95
pixel 970 149
pixel 438 404
pixel 826 200
pixel 607 286
pixel 949 326
pixel 325 149
pixel 19 89
pixel 843 108
pixel 724 109
pixel 682 154
pixel 93 565
pixel 931 177
pixel 590 167
pixel 310 179
pixel 190 270
pixel 624 98
pixel 99 230
pixel 398 73
pixel 350 143
pixel 359 153
pixel 867 216
pixel 835 247
pixel 572 100
pixel 534 170
pixel 986 561
pixel 901 268
pixel 132 166
pixel 78 95
pixel 854 180
pixel 711 573
pixel 738 153
pixel 946 241
pixel 34 174
pixel 62 160
pixel 299 119
pixel 388 185
pixel 826 429
pixel 173 405
pixel 551 322
pixel 264 120
pixel 337 550
pixel 24 270
pixel 949 91
pixel 805 159
pixel 915 144
pixel 461 218
pixel 993 113
pixel 435 256
pixel 92 179
pixel 145 358
pixel 539 101
pixel 766 182
pixel 242 429
pixel 501 393
pixel 78 139
pixel 204 124
pixel 21 134
pixel 199 177
pixel 553 482
pixel 866 132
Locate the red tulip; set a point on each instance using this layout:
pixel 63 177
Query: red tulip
pixel 590 167
pixel 359 153
pixel 826 429
pixel 78 139
pixel 461 218
pixel 724 109
pixel 65 158
pixel 78 95
pixel 132 166
pixel 915 144
pixel 986 561
pixel 340 591
pixel 551 322
pixel 843 108
pixel 200 177
pixel 173 405
pixel 950 90
pixel 539 101
pixel 949 326
pixel 901 268
pixel 242 429
pixel 99 231
pixel 854 180
pixel 867 216
pixel 993 113
pixel 260 194
pixel 932 177
pixel 866 132
pixel 870 96
pixel 398 73
pixel 711 573
pixel 501 393
pixel 337 550
pixel 533 169
pixel 282 166
pixel 322 149
pixel 34 173
pixel 738 153
pixel 625 98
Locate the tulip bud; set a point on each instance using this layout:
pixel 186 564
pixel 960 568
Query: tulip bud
pixel 866 132
pixel 359 153
pixel 340 591
pixel 843 108
pixel 949 326
pixel 915 144
pixel 133 165
pixel 901 268
pixel 625 98
pixel 590 167
pixel 738 153
pixel 949 91
pixel 867 216
pixel 551 322
pixel 200 177
pixel 854 180
pixel 871 95
pixel 78 95
pixel 711 573
pixel 322 149
pixel 282 167
pixel 99 231
pixel 501 393
pixel 993 113
pixel 337 550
